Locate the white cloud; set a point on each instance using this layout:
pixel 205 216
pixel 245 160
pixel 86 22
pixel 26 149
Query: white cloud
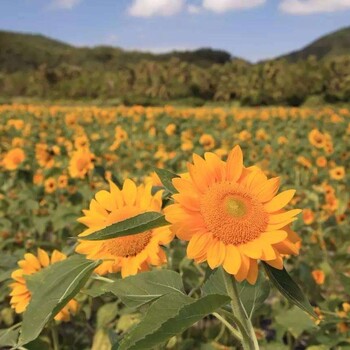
pixel 305 7
pixel 221 6
pixel 64 4
pixel 194 9
pixel 150 8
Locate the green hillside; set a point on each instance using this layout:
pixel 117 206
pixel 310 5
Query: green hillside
pixel 38 67
pixel 20 52
pixel 333 44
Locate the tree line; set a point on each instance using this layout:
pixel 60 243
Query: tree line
pixel 150 82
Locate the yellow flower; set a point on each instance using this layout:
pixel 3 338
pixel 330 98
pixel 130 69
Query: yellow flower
pixel 13 159
pixel 129 254
pixel 338 173
pixel 317 139
pixel 170 129
pixel 81 142
pixel 207 141
pixel 321 162
pixel 50 185
pixel 31 264
pixel 308 216
pixel 318 276
pixel 62 181
pixel 80 163
pixel 231 216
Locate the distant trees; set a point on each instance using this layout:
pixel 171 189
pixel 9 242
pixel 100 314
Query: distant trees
pixel 147 81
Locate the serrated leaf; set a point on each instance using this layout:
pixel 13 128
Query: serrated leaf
pixel 171 314
pixel 141 289
pixel 51 289
pixel 166 178
pixel 137 224
pixel 295 321
pixel 287 287
pixel 252 296
pixel 215 284
pixel 8 337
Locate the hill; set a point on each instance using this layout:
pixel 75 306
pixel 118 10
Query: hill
pixel 333 44
pixel 21 52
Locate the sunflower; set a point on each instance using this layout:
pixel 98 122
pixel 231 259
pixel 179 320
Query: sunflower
pixel 318 276
pixel 13 159
pixel 128 254
pixel 316 138
pixel 20 294
pixel 81 163
pixel 231 216
pixel 50 185
pixel 338 173
pixel 207 141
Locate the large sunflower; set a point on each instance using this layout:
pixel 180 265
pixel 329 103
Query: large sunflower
pixel 231 215
pixel 31 264
pixel 129 254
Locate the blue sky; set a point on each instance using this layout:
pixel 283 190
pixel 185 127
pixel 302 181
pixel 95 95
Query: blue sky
pixel 252 29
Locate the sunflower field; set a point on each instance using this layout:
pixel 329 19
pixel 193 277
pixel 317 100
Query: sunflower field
pixel 174 228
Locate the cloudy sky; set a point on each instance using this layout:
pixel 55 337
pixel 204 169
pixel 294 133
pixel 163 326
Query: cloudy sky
pixel 252 29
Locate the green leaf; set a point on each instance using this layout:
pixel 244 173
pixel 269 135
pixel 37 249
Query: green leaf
pixel 132 226
pixel 51 290
pixel 345 280
pixel 106 314
pixel 171 314
pixel 287 287
pixel 140 289
pixel 8 337
pixel 215 284
pixel 295 321
pixel 166 178
pixel 252 296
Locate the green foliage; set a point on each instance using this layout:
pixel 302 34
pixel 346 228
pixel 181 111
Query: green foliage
pixel 252 296
pixel 51 289
pixel 169 315
pixel 135 291
pixel 166 178
pixel 285 284
pixel 35 66
pixel 137 224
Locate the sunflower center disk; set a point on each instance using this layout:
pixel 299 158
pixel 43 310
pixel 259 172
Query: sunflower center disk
pixel 235 207
pixel 128 245
pixel 232 214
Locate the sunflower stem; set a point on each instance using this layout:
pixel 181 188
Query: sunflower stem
pixel 249 340
pixel 54 334
pixel 233 330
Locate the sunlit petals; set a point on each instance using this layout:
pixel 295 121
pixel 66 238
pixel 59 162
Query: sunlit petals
pixel 234 165
pixel 233 259
pixel 280 201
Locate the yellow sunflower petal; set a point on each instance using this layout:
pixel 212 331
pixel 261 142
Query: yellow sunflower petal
pixel 216 254
pixel 198 244
pixel 43 257
pixel 276 263
pixel 252 249
pixel 283 217
pixel 234 165
pixel 268 190
pixel 57 256
pixel 233 259
pixel 244 268
pixel 253 272
pixel 106 200
pixel 280 201
pixel 32 260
